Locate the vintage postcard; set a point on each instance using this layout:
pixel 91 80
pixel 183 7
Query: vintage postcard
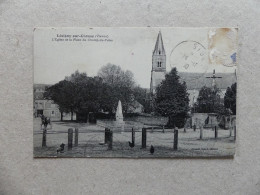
pixel 135 92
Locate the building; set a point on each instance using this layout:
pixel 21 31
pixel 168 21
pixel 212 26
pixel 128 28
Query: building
pixel 194 86
pixel 135 107
pixel 43 106
pixel 222 81
pixel 47 107
pixel 158 64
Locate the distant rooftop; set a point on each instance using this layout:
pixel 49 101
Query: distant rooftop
pixel 38 90
pixel 198 80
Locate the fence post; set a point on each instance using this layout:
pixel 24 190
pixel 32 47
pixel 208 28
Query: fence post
pixel 185 125
pixel 70 138
pixel 194 127
pixel 143 138
pixel 106 135
pixel 133 136
pixel 44 136
pixel 175 139
pixel 201 132
pixel 76 137
pixel 216 132
pixel 163 128
pixel 230 131
pixel 235 133
pixel 110 140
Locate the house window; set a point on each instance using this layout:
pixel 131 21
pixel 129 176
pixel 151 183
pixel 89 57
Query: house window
pixel 52 112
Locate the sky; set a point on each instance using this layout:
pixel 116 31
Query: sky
pixel 130 48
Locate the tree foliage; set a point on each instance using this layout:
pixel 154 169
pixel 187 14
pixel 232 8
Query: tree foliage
pixel 120 84
pixel 172 100
pixel 140 95
pixel 209 101
pixel 230 98
pixel 76 77
pixel 81 94
pixel 114 76
pixel 77 94
pixel 62 94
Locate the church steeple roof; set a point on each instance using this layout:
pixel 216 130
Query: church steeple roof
pixel 159 48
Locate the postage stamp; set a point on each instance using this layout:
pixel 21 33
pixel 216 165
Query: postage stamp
pixel 223 46
pixel 135 92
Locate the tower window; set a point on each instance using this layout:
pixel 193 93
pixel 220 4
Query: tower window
pixel 159 64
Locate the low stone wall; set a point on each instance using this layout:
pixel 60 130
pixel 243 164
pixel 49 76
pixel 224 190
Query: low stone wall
pixel 199 118
pixel 225 122
pixel 149 120
pixel 228 122
pixel 126 126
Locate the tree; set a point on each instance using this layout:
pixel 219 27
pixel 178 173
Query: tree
pixel 172 100
pixel 77 77
pixel 89 94
pixel 115 76
pixel 209 101
pixel 77 93
pixel 92 95
pixel 62 94
pixel 89 97
pixel 120 84
pixel 140 95
pixel 230 98
pixel 79 81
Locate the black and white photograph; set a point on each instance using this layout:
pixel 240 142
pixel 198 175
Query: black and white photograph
pixel 139 92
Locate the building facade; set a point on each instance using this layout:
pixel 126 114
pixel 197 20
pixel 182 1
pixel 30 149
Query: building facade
pixel 43 106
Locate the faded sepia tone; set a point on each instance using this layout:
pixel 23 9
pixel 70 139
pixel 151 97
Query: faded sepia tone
pixel 223 46
pixel 103 106
pixel 23 174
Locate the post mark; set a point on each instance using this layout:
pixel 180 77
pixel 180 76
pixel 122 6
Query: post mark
pixel 190 56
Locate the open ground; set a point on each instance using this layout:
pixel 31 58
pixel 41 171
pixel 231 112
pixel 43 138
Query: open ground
pixel 91 139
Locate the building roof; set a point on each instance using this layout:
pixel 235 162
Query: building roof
pixel 38 90
pixel 198 80
pixel 159 48
pixel 38 86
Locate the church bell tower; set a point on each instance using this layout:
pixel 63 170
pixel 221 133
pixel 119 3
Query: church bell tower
pixel 158 64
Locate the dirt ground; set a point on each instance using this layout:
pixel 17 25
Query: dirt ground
pixel 91 139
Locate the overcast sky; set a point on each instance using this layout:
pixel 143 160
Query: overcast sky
pixel 131 48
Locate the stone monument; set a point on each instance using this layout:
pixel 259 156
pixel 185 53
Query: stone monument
pixel 119 113
pixel 119 116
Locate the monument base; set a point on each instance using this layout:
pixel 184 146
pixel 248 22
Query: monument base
pixel 119 126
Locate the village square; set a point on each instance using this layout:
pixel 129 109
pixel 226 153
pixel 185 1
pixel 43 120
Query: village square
pixel 182 114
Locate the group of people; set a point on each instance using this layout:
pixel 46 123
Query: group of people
pixel 45 121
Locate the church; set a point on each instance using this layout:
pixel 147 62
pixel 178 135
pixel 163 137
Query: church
pixel 158 72
pixel 158 64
